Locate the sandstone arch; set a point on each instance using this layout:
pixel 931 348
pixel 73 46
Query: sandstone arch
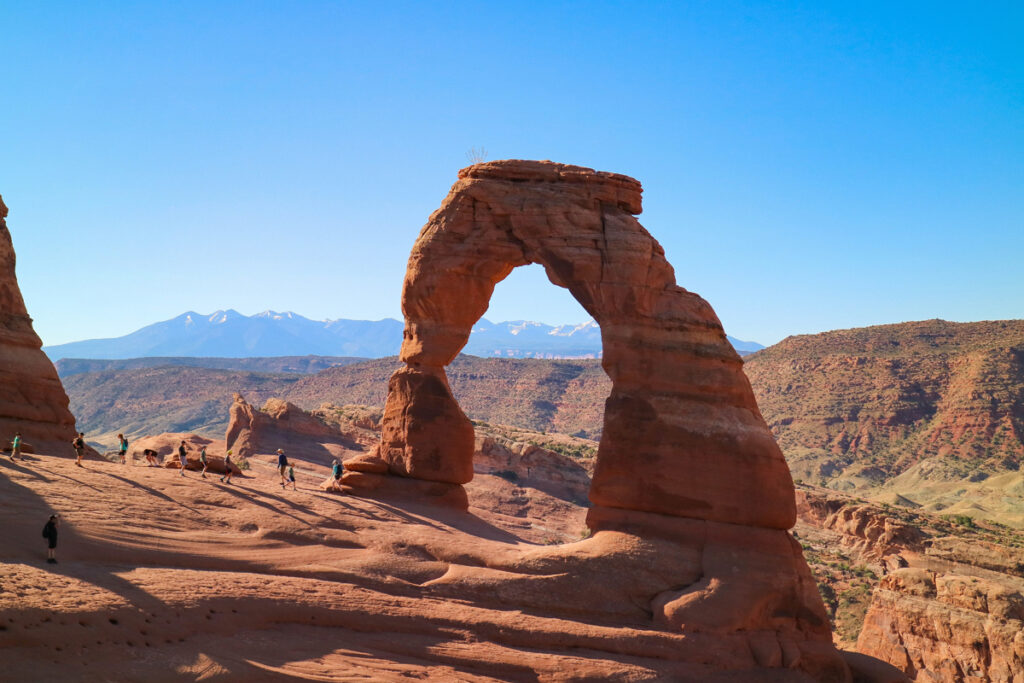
pixel 682 434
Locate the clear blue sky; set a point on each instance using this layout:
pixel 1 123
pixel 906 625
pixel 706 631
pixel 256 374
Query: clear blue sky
pixel 807 166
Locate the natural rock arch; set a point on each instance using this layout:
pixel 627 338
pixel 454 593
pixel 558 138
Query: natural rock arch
pixel 682 433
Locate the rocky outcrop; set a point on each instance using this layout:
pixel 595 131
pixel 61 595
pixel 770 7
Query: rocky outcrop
pixel 862 527
pixel 279 424
pixel 692 497
pixel 32 399
pixel 948 626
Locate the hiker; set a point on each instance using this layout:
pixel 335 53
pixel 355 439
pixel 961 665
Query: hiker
pixel 79 444
pixel 202 460
pixel 291 478
pixel 150 455
pixel 337 470
pixel 227 468
pixel 183 457
pixel 16 446
pixel 50 534
pixel 122 446
pixel 282 466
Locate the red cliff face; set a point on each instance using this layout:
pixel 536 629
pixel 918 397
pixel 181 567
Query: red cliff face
pixel 951 624
pixel 32 399
pixel 937 599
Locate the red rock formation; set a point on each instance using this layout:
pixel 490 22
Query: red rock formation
pixel 948 626
pixel 862 527
pixel 681 419
pixel 32 399
pixel 692 495
pixel 304 436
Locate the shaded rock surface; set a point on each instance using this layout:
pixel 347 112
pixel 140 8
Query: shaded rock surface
pixel 32 399
pixel 248 582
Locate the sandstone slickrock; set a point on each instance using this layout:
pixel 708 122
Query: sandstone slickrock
pixel 32 399
pixel 692 497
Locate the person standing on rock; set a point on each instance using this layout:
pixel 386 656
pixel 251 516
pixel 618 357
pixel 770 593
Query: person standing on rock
pixel 291 478
pixel 122 447
pixel 79 444
pixel 227 468
pixel 183 457
pixel 202 460
pixel 50 534
pixel 16 447
pixel 282 466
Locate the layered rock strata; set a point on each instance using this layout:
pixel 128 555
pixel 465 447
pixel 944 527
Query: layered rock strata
pixel 692 497
pixel 32 399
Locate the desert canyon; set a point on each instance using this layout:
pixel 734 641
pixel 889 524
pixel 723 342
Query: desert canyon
pixel 674 547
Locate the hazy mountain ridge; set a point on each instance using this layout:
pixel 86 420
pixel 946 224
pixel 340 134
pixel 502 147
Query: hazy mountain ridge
pixel 303 365
pixel 229 334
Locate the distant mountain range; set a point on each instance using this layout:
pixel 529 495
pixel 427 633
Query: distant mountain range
pixel 229 334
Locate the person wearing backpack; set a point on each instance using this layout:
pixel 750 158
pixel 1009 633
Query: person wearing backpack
pixel 16 447
pixel 282 466
pixel 122 445
pixel 79 444
pixel 227 468
pixel 183 457
pixel 50 534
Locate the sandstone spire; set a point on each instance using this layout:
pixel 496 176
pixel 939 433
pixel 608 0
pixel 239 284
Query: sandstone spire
pixel 32 399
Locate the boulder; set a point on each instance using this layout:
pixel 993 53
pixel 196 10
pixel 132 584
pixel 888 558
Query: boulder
pixel 302 435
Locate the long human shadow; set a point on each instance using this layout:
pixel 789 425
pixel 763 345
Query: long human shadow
pixel 10 464
pixel 442 518
pixel 77 481
pixel 99 561
pixel 253 498
pixel 148 489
